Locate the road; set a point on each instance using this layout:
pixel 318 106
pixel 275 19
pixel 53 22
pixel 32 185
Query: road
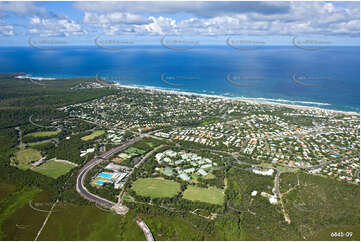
pixel 81 189
pixel 38 125
pixel 148 234
pixel 18 130
pixel 139 164
pixel 276 189
pixel 56 140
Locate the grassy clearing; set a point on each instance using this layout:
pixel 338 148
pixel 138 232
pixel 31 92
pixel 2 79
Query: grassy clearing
pixel 54 169
pixel 43 134
pixel 90 223
pixel 133 150
pixel 153 187
pixel 209 195
pixel 23 157
pixel 96 133
pixel 10 204
pixel 25 222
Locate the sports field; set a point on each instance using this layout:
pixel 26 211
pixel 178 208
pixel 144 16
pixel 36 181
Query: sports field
pixel 153 187
pixel 93 135
pixel 43 134
pixel 24 156
pixel 54 169
pixel 133 150
pixel 209 195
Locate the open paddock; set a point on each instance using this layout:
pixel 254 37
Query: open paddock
pixel 54 169
pixel 208 195
pixel 23 157
pixel 43 134
pixel 155 188
pixel 93 135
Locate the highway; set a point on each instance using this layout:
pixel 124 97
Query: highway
pixel 81 189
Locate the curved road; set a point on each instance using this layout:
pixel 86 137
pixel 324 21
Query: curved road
pixel 38 125
pixel 81 189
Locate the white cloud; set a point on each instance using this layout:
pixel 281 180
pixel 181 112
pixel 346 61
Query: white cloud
pixel 113 18
pixel 20 8
pixel 200 9
pixel 291 18
pixel 50 27
pixel 6 30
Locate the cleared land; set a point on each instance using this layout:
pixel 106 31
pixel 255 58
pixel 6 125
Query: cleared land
pixel 24 156
pixel 43 134
pixel 133 150
pixel 153 187
pixel 90 223
pixel 9 207
pixel 54 169
pixel 209 195
pixel 93 135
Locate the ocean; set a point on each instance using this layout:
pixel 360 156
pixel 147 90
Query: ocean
pixel 327 78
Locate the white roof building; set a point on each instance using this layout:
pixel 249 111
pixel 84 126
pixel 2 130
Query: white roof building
pixel 170 153
pixel 190 170
pixel 273 200
pixel 184 177
pixel 206 166
pixel 159 156
pixel 202 172
pixel 265 173
pixel 90 150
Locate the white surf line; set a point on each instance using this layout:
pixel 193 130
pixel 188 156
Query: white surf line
pixel 46 220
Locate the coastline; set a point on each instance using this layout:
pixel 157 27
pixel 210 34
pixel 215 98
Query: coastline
pixel 244 99
pixel 266 101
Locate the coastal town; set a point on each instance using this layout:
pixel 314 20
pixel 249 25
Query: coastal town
pixel 138 153
pixel 319 141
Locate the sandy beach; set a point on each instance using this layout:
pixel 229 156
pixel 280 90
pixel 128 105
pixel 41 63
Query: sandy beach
pixel 244 99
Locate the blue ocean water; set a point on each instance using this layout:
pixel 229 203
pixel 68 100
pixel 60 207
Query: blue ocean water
pixel 327 78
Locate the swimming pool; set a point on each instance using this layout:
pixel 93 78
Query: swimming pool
pixel 99 182
pixel 105 175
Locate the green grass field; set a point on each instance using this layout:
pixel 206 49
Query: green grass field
pixel 43 134
pixel 90 223
pixel 24 156
pixel 132 150
pixel 96 133
pixel 209 195
pixel 54 169
pixel 153 187
pixel 10 205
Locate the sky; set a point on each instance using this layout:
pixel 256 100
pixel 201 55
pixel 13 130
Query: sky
pixel 208 23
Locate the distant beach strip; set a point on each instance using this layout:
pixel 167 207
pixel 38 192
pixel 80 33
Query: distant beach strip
pixel 281 102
